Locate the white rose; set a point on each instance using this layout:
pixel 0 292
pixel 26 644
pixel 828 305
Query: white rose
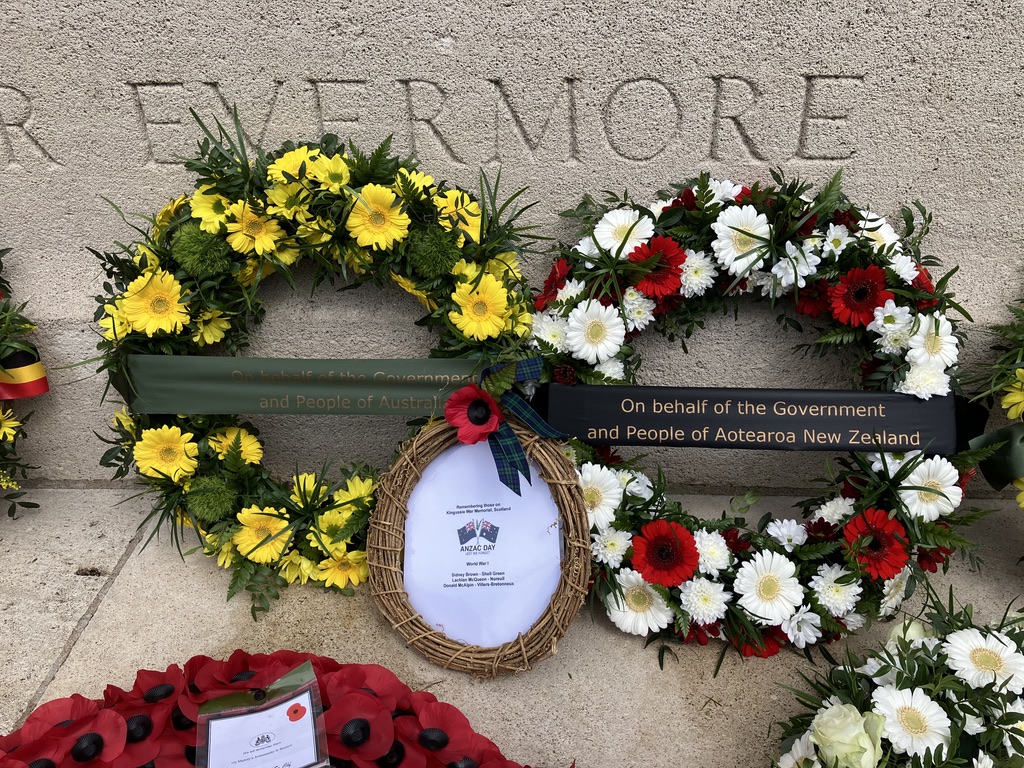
pixel 847 739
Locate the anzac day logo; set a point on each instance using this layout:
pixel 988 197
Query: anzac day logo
pixel 474 531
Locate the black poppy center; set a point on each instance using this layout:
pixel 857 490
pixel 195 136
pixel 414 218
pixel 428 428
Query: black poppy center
pixel 42 762
pixel 157 692
pixel 88 747
pixel 394 756
pixel 478 412
pixel 355 732
pixel 241 677
pixel 139 728
pixel 433 738
pixel 465 762
pixel 179 720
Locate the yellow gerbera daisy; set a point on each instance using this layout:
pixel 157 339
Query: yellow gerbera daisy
pixel 115 325
pixel 254 270
pixel 376 220
pixel 8 426
pixel 166 215
pixel 316 232
pixel 153 303
pixel 226 552
pixel 465 271
pixel 421 182
pixel 307 491
pixel 482 309
pixel 145 257
pixel 261 537
pixel 505 266
pixel 166 452
pixel 340 572
pixel 210 327
pixel 1019 485
pixel 289 201
pixel 1013 400
pixel 122 419
pixel 409 287
pixel 290 162
pixel 332 172
pixel 356 489
pixel 519 321
pixel 457 209
pixel 288 252
pixel 251 232
pixel 294 567
pixel 252 451
pixel 210 208
pixel 328 526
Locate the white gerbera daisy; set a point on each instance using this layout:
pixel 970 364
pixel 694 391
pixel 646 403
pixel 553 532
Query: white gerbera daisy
pixel 894 592
pixel 588 247
pixel 881 672
pixel 835 590
pixel 638 313
pixel 550 329
pixel 789 533
pixel 925 381
pixel 602 494
pixel 914 724
pixel 612 368
pixel 904 267
pixel 798 265
pixel 713 552
pixel 571 290
pixel 768 588
pixel 803 628
pixel 704 600
pixel 610 547
pixel 801 755
pixel 981 660
pixel 639 609
pixel 834 511
pixel 741 239
pixel 698 274
pixel 622 230
pixel 1015 707
pixel 893 324
pixel 943 493
pixel 595 332
pixel 933 342
pixel 881 234
pixel 658 207
pixel 722 191
pixel 890 463
pixel 836 239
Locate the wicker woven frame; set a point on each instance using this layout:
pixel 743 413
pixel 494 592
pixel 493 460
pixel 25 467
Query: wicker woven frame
pixel 386 548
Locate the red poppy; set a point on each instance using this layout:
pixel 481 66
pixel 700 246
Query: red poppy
pixel 58 714
pixel 877 542
pixel 665 553
pixel 474 412
pixel 736 541
pixel 856 295
pixel 813 300
pixel 368 678
pixel 358 725
pixel 923 283
pixel 554 282
pixel 439 728
pixel 565 374
pixel 99 738
pixel 772 640
pixel 664 259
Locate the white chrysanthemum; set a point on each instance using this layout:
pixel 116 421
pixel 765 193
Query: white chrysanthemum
pixel 611 546
pixel 796 266
pixel 914 723
pixel 834 511
pixel 789 533
pixel 894 592
pixel 630 295
pixel 602 494
pixel 550 329
pixel 853 621
pixel 658 207
pixel 981 660
pixel 1015 707
pixel 894 325
pixel 890 463
pixel 588 247
pixel 925 381
pixel 881 234
pixel 933 342
pixel 943 493
pixel 904 267
pixel 639 313
pixel 713 552
pixel 698 274
pixel 983 761
pixel 572 289
pixel 741 238
pixel 836 239
pixel 595 332
pixel 722 190
pixel 638 609
pixel 622 230
pixel 836 592
pixel 612 368
pixel 803 628
pixel 638 484
pixel 765 282
pixel 801 755
pixel 881 672
pixel 768 588
pixel 704 600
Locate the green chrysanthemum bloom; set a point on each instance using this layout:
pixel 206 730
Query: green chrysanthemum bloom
pixel 433 252
pixel 200 253
pixel 210 499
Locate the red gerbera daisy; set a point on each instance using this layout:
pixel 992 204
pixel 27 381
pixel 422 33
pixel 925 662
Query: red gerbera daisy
pixel 685 199
pixel 554 282
pixel 736 541
pixel 474 412
pixel 665 553
pixel 877 542
pixel 772 640
pixel 856 295
pixel 664 258
pixel 931 559
pixel 821 530
pixel 813 300
pixel 923 283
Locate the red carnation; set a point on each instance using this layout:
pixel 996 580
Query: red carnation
pixel 745 195
pixel 772 640
pixel 736 541
pixel 554 282
pixel 931 559
pixel 807 228
pixel 877 542
pixel 923 283
pixel 685 199
pixel 665 553
pixel 847 218
pixel 664 258
pixel 856 295
pixel 702 633
pixel 565 374
pixel 474 412
pixel 813 300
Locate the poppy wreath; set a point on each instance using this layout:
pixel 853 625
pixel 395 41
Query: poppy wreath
pixel 885 519
pixel 371 718
pixel 190 285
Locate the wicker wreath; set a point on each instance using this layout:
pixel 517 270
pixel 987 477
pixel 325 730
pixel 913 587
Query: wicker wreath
pixel 386 551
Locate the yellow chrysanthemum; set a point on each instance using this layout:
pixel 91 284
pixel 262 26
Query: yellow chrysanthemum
pixel 409 287
pixel 166 215
pixel 114 324
pixel 1019 485
pixel 465 271
pixel 377 219
pixel 505 266
pixel 210 208
pixel 482 309
pixel 294 567
pixel 8 425
pixel 289 201
pixel 305 490
pixel 153 304
pixel 261 538
pixel 210 327
pixel 328 527
pixel 421 182
pixel 290 162
pixel 251 232
pixel 456 209
pixel 351 568
pixel 252 451
pixel 166 452
pixel 1013 400
pixel 357 489
pixel 332 172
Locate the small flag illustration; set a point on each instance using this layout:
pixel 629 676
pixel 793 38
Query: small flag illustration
pixel 467 532
pixel 22 375
pixel 489 531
